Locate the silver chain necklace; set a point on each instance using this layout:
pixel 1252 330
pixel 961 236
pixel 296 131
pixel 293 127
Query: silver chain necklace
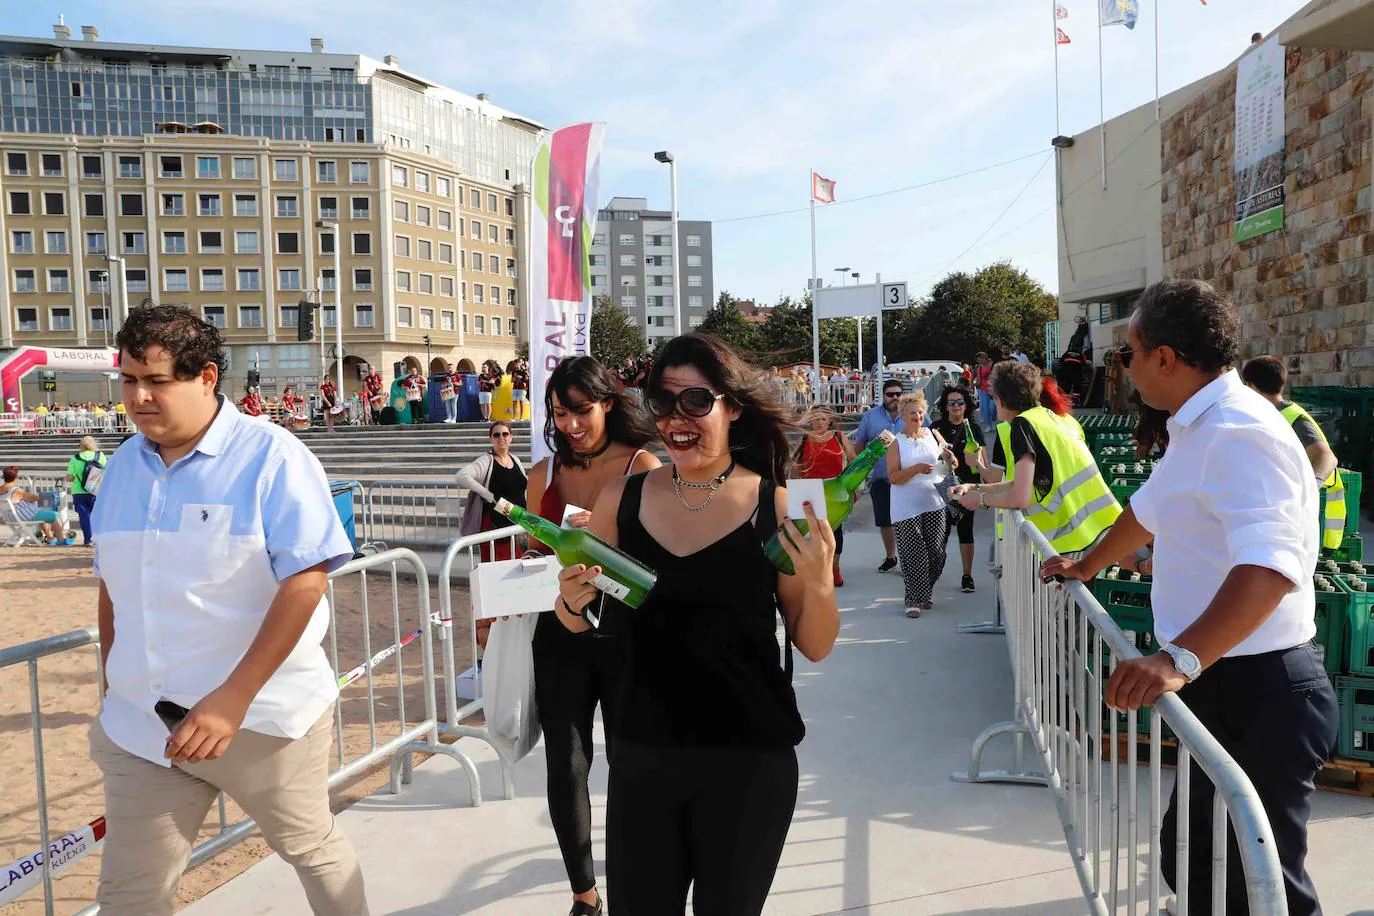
pixel 712 485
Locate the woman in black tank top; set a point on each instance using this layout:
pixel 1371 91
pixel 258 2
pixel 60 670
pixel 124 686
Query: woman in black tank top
pixel 705 775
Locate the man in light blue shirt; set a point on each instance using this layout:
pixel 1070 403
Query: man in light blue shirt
pixel 880 489
pixel 215 534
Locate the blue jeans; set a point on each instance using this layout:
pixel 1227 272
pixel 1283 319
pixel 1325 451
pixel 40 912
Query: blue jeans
pixel 988 408
pixel 84 503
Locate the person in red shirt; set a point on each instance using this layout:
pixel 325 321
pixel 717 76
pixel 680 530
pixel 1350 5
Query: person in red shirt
pixel 982 371
pixel 329 400
pixel 376 399
pixel 292 408
pixel 252 403
pixel 823 453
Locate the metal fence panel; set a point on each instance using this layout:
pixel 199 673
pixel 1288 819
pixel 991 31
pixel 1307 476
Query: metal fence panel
pixel 411 513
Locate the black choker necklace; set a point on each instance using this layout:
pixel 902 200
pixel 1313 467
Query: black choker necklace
pixel 586 460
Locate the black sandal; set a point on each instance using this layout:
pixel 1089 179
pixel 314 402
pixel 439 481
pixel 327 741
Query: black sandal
pixel 581 908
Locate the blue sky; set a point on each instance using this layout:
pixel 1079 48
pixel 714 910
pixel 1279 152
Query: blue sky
pixel 750 94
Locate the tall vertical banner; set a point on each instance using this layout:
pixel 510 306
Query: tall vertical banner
pixel 563 211
pixel 1259 140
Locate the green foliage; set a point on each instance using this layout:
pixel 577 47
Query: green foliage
pixel 615 338
pixel 727 322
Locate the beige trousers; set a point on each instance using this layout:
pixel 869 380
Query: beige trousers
pixel 153 814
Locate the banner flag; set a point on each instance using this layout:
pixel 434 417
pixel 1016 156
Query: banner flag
pixel 822 189
pixel 1060 12
pixel 1120 12
pixel 1259 140
pixel 1060 38
pixel 563 213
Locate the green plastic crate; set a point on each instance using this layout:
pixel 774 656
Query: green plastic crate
pixel 1123 489
pixel 1354 488
pixel 1352 548
pixel 1356 698
pixel 1333 617
pixel 1361 617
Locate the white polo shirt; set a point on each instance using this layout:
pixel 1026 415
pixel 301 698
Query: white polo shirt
pixel 1235 488
pixel 192 556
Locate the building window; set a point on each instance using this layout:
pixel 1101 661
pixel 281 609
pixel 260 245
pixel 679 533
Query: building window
pixel 627 238
pixel 359 172
pixel 93 204
pixel 598 279
pixel 496 295
pixel 424 249
pixel 214 315
pixel 421 215
pixel 493 264
pixel 176 280
pixel 400 210
pixel 463 293
pixel 16 163
pixel 25 281
pixel 245 205
pixel 510 267
pixel 510 298
pixel 212 279
pixel 92 168
pixel 493 233
pixel 693 241
pixel 19 203
pixel 362 243
pixel 208 205
pixel 403 316
pixel 169 167
pixel 427 319
pixel 21 241
pixel 362 315
pixel 60 318
pixel 445 253
pixel 694 280
pixel 462 259
pixel 207 167
pixel 327 245
pixel 465 316
pixel 211 241
pixel 285 169
pixel 136 279
pixel 130 166
pixel 134 243
pixel 288 207
pixel 250 316
pixel 403 281
pixel 400 177
pixel 290 316
pixel 288 243
pixel 477 261
pixel 510 237
pixel 55 241
pixel 476 231
pixel 693 260
pixel 96 243
pixel 446 286
pixel 496 325
pixel 491 203
pixel 479 324
pixel 422 181
pixel 476 198
pixel 512 327
pixel 427 284
pixel 445 220
pixel 246 242
pixel 443 187
pixel 131 205
pixel 245 168
pixel 249 280
pixel 100 319
pixel 447 321
pixel 327 279
pixel 510 206
pixel 694 302
pixel 362 208
pixel 329 208
pixel 326 171
pixel 329 317
pixel 629 302
pixel 402 246
pixel 54 203
pixel 173 204
pixel 362 278
pixel 28 319
pixel 479 294
pixel 52 165
pixel 173 242
pixel 289 278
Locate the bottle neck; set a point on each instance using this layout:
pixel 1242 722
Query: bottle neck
pixel 857 472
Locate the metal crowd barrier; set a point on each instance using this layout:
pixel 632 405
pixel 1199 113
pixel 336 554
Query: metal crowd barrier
pixel 410 736
pixel 416 513
pixel 1063 647
pixel 63 421
pixel 454 715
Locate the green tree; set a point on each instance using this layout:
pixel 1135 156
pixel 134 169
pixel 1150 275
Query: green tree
pixel 728 323
pixel 615 338
pixel 965 313
pixel 786 336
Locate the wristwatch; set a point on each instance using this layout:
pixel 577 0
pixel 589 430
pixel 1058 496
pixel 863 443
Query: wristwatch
pixel 1185 662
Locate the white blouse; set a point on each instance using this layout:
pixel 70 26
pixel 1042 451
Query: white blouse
pixel 918 495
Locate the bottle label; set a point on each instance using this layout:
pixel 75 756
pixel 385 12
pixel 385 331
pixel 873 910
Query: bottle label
pixel 611 587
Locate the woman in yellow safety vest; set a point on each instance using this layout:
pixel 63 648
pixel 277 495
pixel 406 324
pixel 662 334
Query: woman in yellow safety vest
pixel 1050 474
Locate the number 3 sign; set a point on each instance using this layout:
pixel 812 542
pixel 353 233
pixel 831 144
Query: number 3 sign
pixel 894 296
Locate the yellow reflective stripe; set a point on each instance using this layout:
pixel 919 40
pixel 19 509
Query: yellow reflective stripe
pixel 1056 498
pixel 1078 518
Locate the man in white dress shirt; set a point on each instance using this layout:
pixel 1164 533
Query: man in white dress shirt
pixel 214 535
pixel 1230 510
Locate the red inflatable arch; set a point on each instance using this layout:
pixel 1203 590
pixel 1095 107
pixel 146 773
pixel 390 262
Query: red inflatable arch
pixel 17 363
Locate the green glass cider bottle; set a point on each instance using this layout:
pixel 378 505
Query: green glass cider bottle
pixel 839 496
pixel 622 577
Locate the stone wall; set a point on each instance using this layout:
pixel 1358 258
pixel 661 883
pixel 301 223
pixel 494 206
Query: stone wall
pixel 1307 292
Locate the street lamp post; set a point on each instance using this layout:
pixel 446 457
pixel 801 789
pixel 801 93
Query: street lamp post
pixel 123 288
pixel 679 309
pixel 843 272
pixel 333 226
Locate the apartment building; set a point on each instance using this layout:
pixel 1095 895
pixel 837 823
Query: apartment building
pixel 632 263
pixel 235 181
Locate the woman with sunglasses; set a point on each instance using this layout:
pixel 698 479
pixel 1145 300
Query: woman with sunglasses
pixel 956 410
pixel 502 473
pixel 705 775
pixel 597 435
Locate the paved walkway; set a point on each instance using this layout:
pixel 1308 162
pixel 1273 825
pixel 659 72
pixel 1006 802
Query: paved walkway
pixel 880 828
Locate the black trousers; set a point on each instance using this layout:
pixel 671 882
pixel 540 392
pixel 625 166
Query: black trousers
pixel 1275 713
pixel 573 672
pixel 713 818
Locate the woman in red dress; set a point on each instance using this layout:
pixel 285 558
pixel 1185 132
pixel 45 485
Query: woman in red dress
pixel 823 453
pixel 252 403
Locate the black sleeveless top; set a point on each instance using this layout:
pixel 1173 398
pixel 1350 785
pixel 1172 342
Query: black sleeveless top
pixel 703 663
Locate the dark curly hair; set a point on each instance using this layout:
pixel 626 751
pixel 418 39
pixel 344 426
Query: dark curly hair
pixel 627 422
pixel 1189 316
pixel 192 342
pixel 758 439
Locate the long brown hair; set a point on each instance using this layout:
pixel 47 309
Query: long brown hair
pixel 758 439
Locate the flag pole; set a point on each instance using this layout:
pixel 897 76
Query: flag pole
pixel 815 289
pixel 1054 15
pixel 1101 99
pixel 1158 4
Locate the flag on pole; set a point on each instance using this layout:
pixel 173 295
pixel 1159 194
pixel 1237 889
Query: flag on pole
pixel 1060 12
pixel 822 189
pixel 563 213
pixel 1121 12
pixel 1060 38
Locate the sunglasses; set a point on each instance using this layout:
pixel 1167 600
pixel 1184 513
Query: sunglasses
pixel 892 394
pixel 690 402
pixel 1126 353
pixel 953 403
pixel 505 435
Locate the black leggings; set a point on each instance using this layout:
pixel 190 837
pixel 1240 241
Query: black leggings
pixel 572 673
pixel 964 526
pixel 715 819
